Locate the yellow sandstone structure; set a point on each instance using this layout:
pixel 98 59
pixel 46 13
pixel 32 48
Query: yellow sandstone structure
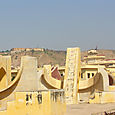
pixel 5 71
pixel 96 83
pixel 23 95
pixel 72 75
pixel 46 91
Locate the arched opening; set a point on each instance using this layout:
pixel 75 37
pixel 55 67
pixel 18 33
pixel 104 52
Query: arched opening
pixel 110 80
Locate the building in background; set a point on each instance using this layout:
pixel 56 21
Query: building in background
pixel 13 50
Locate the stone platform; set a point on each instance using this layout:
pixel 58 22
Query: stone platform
pixel 89 109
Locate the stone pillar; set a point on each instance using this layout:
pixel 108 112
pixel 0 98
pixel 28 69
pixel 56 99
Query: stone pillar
pixel 29 78
pixel 5 71
pixel 72 75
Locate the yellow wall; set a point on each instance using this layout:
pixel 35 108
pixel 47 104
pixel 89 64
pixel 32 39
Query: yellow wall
pixel 49 103
pixel 103 97
pixel 21 96
pixel 86 71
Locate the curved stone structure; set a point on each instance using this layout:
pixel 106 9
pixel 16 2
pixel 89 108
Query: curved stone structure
pixel 6 90
pixel 22 95
pixel 84 84
pixel 88 88
pixel 52 82
pixel 105 77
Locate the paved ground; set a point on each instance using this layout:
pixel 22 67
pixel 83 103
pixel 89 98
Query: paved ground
pixel 88 109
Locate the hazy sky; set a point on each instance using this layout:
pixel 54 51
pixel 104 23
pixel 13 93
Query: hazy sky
pixel 57 24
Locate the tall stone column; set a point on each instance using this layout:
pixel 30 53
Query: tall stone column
pixel 72 75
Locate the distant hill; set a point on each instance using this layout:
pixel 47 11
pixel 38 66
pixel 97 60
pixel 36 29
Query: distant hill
pixel 54 57
pixel 44 57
